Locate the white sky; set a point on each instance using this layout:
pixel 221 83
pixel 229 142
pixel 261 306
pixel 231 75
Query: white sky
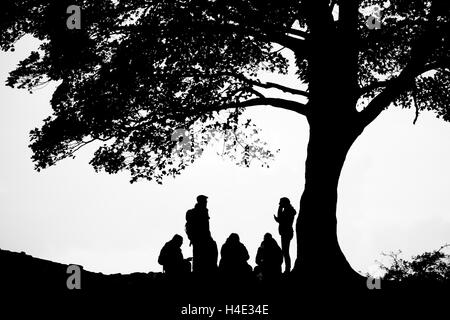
pixel 393 193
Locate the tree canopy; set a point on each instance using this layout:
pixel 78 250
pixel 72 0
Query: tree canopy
pixel 137 70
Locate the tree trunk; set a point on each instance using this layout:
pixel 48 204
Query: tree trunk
pixel 319 256
pixel 334 125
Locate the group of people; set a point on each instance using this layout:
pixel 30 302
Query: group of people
pixel 234 255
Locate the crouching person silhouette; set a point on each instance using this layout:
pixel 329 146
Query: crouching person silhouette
pixel 269 259
pixel 234 257
pixel 171 258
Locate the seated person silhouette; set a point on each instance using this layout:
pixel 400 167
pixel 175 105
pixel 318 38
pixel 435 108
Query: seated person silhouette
pixel 205 257
pixel 234 257
pixel 171 258
pixel 269 259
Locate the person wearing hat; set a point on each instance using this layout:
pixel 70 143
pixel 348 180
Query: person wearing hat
pixel 204 248
pixel 285 219
pixel 197 220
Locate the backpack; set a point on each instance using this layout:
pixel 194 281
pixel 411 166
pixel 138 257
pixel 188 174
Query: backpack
pixel 190 224
pixel 162 259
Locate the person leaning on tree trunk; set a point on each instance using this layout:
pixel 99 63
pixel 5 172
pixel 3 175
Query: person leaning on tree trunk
pixel 285 218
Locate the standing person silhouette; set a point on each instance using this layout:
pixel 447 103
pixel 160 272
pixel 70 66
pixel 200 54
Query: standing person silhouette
pixel 197 221
pixel 204 248
pixel 285 219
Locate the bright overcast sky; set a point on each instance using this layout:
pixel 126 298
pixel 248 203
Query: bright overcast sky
pixel 393 192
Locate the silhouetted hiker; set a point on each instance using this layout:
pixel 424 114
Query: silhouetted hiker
pixel 285 219
pixel 269 258
pixel 234 257
pixel 171 258
pixel 204 248
pixel 197 220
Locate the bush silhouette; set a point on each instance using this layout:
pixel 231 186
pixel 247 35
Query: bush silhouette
pixel 431 266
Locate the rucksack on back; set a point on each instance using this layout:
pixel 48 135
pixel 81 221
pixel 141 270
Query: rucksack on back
pixel 162 259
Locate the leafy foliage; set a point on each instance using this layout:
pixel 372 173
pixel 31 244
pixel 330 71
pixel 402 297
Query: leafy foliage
pixel 138 70
pixel 429 266
pixel 134 73
pixel 387 51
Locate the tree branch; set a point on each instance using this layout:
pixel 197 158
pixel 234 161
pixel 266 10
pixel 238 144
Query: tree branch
pixel 440 64
pixel 444 63
pixel 405 80
pixel 396 86
pixel 319 18
pixel 274 102
pixel 423 47
pixel 373 86
pixel 265 34
pixel 393 88
pixel 267 85
pixel 298 33
pixel 416 105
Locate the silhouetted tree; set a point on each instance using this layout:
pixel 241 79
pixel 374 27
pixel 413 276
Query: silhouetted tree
pixel 431 266
pixel 137 70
